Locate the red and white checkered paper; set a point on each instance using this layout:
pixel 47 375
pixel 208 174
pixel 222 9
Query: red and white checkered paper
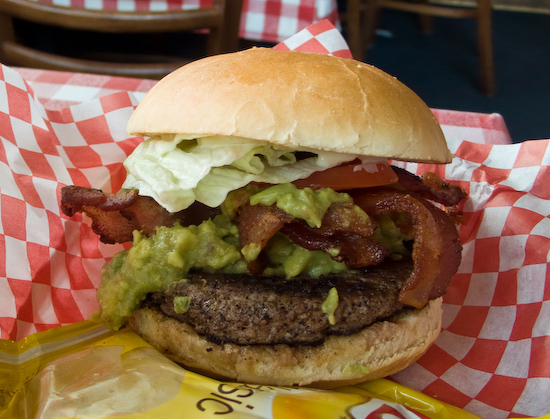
pixel 57 90
pixel 261 20
pixel 491 358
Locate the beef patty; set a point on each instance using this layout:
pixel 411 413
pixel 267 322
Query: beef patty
pixel 245 309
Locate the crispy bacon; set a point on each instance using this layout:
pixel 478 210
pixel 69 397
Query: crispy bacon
pixel 116 216
pixel 436 250
pixel 342 228
pixel 429 186
pixel 258 224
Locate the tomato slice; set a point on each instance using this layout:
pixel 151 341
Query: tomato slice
pixel 351 175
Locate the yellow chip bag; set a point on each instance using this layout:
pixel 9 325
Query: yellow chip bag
pixel 87 371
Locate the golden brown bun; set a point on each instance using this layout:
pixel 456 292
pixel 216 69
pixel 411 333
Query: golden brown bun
pixel 384 348
pixel 296 99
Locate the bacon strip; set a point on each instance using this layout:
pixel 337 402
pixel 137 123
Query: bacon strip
pixel 429 186
pixel 116 216
pixel 436 250
pixel 258 224
pixel 342 228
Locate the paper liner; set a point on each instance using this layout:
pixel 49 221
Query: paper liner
pixel 491 358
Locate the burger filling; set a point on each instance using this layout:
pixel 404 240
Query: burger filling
pixel 236 242
pixel 247 252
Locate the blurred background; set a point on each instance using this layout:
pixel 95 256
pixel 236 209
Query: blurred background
pixel 442 67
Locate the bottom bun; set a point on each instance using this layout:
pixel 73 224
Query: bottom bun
pixel 377 351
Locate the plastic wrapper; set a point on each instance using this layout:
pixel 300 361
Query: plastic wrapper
pixel 87 371
pixel 490 360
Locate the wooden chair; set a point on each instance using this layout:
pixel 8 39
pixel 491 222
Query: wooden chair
pixel 362 20
pixel 221 22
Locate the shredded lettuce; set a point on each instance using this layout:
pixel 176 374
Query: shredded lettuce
pixel 177 171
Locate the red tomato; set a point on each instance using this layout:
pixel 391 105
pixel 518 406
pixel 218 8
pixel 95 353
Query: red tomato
pixel 350 175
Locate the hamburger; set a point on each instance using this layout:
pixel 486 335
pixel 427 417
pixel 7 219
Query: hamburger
pixel 271 241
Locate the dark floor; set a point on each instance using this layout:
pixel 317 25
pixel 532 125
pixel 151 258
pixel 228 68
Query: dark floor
pixel 442 68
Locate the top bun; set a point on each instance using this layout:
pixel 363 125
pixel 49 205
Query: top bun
pixel 296 99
